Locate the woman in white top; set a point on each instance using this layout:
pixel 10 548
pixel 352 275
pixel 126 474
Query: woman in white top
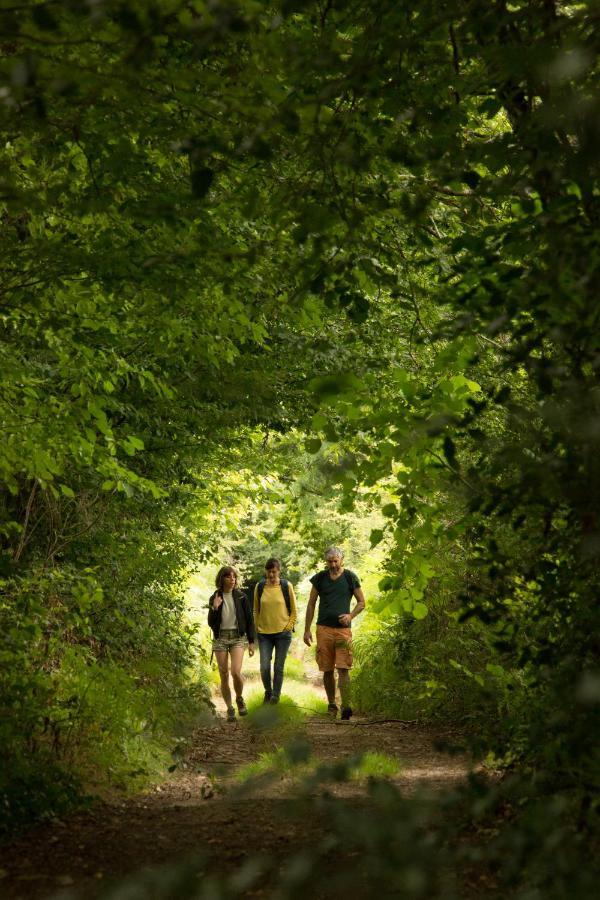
pixel 230 618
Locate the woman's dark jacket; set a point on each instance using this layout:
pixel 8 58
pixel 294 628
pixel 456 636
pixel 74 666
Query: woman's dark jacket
pixel 243 614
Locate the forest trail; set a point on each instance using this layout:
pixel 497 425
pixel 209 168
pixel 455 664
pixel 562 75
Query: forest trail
pixel 203 806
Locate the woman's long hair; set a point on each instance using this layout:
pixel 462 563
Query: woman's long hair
pixel 226 570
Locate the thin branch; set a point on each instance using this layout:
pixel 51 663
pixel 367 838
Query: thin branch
pixel 383 722
pixel 90 166
pixel 455 59
pixel 493 343
pixel 324 11
pixel 28 508
pixel 34 39
pixel 450 468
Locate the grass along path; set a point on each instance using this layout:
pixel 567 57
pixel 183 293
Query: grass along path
pixel 249 790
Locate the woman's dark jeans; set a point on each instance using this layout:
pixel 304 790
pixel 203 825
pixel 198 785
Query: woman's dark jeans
pixel 280 642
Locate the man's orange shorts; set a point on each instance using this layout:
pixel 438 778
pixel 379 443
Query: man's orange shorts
pixel 334 648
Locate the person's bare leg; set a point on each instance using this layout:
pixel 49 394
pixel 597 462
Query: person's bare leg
pixel 237 657
pixel 329 685
pixel 344 683
pixel 223 664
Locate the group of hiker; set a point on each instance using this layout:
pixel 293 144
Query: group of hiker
pixel 237 623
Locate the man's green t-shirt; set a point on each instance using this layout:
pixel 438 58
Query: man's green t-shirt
pixel 334 596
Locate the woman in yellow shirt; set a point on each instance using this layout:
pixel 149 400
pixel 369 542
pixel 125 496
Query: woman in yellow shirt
pixel 275 613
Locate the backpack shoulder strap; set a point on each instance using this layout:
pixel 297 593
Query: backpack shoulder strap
pixel 260 586
pixel 320 576
pixel 285 588
pixel 349 581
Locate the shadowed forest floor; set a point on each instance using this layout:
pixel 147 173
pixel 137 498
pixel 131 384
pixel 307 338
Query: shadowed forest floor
pixel 203 806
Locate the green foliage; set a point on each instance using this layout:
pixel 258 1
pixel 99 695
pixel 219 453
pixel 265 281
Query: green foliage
pixel 117 725
pixel 371 232
pixel 293 760
pixel 409 669
pixel 96 654
pixel 36 788
pixel 291 710
pixel 375 765
pixel 294 668
pixel 276 762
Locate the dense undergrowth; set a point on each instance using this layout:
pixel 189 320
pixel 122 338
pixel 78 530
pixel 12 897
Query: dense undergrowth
pixel 428 670
pixel 102 673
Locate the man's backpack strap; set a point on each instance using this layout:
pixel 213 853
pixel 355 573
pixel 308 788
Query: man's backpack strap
pixel 319 582
pixel 349 582
pixel 347 576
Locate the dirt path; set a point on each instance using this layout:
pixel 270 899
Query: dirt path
pixel 203 807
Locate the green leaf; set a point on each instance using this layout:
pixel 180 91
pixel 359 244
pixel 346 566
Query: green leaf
pixel 496 670
pixel 358 311
pixel 419 610
pixel 376 536
pixel 319 421
pixel 327 387
pixel 312 445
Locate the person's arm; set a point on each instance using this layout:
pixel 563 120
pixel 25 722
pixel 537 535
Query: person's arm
pixel 255 603
pixel 293 610
pixel 310 613
pixel 250 631
pixel 360 605
pixel 213 605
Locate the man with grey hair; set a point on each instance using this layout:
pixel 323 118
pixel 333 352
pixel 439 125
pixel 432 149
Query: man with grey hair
pixel 334 588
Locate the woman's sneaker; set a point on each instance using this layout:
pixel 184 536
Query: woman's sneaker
pixel 332 710
pixel 230 714
pixel 242 708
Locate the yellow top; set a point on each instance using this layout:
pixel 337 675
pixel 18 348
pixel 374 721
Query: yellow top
pixel 273 616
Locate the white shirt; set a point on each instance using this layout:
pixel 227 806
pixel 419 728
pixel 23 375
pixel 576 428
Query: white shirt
pixel 228 616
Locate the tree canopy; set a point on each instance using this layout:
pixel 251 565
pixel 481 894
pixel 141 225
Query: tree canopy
pixel 348 247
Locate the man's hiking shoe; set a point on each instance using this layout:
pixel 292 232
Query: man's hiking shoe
pixel 332 710
pixel 274 700
pixel 230 714
pixel 242 708
pixel 346 713
pixel 267 697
